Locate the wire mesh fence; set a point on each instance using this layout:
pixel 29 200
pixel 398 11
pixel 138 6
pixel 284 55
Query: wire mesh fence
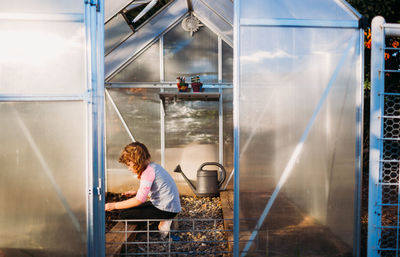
pixel 195 237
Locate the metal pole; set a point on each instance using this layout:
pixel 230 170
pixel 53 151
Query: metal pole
pixel 236 125
pixel 375 148
pixel 120 116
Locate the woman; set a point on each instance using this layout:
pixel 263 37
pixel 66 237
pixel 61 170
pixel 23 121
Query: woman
pixel 154 181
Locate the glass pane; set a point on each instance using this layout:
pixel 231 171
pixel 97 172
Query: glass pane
pixel 115 31
pixel 191 136
pixel 227 63
pixel 43 6
pixel 145 68
pixel 282 82
pixel 186 55
pixel 39 57
pixel 289 9
pixel 43 195
pixel 140 109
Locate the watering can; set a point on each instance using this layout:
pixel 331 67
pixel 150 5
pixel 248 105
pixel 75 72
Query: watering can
pixel 207 180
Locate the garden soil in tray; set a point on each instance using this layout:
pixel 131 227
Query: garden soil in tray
pixel 199 230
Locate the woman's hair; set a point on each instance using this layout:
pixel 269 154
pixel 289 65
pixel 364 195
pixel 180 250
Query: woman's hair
pixel 137 153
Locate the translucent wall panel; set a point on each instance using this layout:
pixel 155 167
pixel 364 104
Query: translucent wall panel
pixel 145 68
pixel 43 153
pixel 140 109
pixel 43 6
pixel 227 98
pixel 227 63
pixel 288 9
pixel 31 53
pixel 186 55
pixel 282 81
pixel 191 136
pixel 115 31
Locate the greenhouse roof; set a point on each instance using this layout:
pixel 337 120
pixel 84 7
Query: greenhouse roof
pixel 216 15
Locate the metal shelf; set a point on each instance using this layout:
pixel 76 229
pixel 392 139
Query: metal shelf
pixel 205 96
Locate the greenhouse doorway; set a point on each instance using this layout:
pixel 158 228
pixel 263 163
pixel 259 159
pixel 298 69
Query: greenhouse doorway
pixel 301 90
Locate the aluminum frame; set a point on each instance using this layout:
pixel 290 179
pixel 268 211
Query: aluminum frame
pixel 94 31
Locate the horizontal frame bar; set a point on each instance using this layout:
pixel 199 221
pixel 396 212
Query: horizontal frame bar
pixel 392 29
pixel 300 23
pixel 44 98
pixel 62 17
pixel 162 85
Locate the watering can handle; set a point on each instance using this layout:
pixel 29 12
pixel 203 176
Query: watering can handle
pixel 223 175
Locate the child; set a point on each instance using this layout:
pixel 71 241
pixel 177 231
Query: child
pixel 154 180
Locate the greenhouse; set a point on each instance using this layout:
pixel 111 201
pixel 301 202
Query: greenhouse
pixel 270 90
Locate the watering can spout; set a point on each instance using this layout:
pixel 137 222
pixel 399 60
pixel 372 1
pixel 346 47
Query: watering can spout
pixel 179 170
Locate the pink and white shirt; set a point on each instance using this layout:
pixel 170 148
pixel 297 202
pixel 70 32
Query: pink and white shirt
pixel 158 183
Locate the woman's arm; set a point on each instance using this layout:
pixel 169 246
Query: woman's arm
pixel 132 202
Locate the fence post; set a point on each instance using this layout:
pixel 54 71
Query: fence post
pixel 376 112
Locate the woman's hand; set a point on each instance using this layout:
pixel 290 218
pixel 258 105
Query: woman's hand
pixel 110 206
pixel 129 193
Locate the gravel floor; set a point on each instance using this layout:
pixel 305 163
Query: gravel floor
pixel 199 231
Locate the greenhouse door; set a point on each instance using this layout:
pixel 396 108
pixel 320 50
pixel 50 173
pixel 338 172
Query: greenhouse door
pixel 51 134
pixel 383 213
pixel 297 115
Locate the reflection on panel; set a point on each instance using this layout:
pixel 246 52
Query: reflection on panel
pixel 43 153
pixel 286 9
pixel 145 68
pixel 140 109
pixel 282 82
pixel 186 55
pixel 191 134
pixel 31 53
pixel 115 31
pixel 227 63
pixel 43 6
pixel 227 98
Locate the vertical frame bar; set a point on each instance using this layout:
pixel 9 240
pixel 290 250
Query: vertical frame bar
pixel 221 106
pixel 94 24
pixel 377 86
pixel 236 91
pixel 359 152
pixel 221 127
pixel 162 111
pixel 89 174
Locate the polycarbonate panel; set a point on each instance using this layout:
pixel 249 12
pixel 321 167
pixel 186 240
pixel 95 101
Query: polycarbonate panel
pixel 31 53
pixel 115 31
pixel 191 136
pixel 282 81
pixel 214 19
pixel 144 68
pixel 224 8
pixel 43 6
pixel 112 7
pixel 227 63
pixel 186 55
pixel 144 36
pixel 227 100
pixel 43 184
pixel 140 109
pixel 289 9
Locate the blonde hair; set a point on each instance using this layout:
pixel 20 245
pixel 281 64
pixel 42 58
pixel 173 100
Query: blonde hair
pixel 138 154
